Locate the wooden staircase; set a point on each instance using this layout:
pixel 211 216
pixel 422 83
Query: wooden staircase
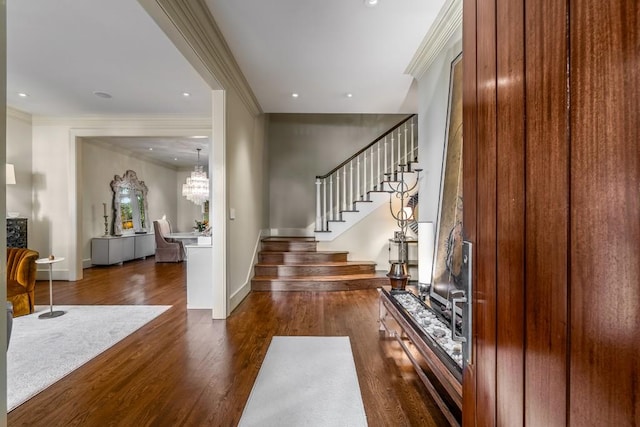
pixel 294 264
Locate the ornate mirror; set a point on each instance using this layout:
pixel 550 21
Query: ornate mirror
pixel 130 204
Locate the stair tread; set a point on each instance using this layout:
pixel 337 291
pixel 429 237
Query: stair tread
pixel 376 275
pixel 314 252
pixel 321 264
pixel 288 239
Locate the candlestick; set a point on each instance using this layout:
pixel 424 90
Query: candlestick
pixel 106 225
pixel 104 208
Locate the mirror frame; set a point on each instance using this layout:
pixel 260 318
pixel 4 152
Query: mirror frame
pixel 130 181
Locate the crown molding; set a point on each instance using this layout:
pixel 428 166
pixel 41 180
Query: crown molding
pixel 177 123
pixel 110 147
pixel 18 114
pixel 209 52
pixel 448 21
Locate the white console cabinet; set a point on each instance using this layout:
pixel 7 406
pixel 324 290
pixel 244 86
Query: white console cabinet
pixel 199 277
pixel 117 249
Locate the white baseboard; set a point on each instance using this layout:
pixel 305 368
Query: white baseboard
pixel 86 263
pixel 244 290
pixel 239 295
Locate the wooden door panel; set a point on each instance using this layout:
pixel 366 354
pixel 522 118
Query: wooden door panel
pixel 547 188
pixel 605 213
pixel 485 286
pixel 510 213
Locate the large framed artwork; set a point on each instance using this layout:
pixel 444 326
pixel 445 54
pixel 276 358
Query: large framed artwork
pixel 448 250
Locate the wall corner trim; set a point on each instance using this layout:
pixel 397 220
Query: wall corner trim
pixel 448 21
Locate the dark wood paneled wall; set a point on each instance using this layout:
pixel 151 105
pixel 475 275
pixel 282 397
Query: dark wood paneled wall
pixel 510 212
pixel 547 212
pixel 485 290
pixel 604 318
pixel 552 177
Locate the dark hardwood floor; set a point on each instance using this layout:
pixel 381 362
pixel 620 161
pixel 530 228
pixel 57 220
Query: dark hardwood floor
pixel 184 369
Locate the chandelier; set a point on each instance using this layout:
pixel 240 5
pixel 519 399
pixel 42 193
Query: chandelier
pixel 196 189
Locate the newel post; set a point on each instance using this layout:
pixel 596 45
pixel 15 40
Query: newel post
pixel 318 207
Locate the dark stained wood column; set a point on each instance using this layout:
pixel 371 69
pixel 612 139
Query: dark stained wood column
pixel 605 213
pixel 510 199
pixel 547 212
pixel 485 287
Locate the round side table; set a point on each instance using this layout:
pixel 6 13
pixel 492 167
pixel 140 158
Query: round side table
pixel 50 314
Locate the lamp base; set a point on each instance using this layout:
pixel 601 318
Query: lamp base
pixel 398 276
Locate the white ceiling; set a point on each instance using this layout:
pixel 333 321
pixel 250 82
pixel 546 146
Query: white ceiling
pixel 323 50
pixel 60 52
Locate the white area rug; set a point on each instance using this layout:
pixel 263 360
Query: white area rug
pixel 306 381
pixel 42 351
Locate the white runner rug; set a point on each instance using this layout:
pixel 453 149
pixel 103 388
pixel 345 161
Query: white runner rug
pixel 42 351
pixel 306 381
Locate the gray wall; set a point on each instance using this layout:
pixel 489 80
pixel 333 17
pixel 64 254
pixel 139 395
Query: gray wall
pixel 246 174
pixel 302 146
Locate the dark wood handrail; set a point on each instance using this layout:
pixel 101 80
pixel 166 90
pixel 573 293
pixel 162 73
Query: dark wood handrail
pixel 365 148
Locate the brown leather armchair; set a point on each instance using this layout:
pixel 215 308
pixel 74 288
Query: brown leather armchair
pixel 21 280
pixel 167 249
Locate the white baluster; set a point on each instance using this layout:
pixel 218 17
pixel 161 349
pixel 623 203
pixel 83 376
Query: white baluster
pixel 386 154
pixel 379 176
pixel 371 182
pixel 324 203
pixel 393 165
pixel 344 189
pixel 399 158
pixel 350 184
pixel 338 194
pixel 358 179
pixel 413 154
pixel 406 157
pixel 318 207
pixel 331 198
pixel 364 176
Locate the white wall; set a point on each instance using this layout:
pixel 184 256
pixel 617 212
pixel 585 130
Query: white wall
pixel 99 166
pixel 58 193
pixel 433 98
pixel 51 232
pixel 245 177
pixel 19 154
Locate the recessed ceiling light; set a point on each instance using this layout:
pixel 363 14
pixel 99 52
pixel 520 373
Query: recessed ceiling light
pixel 371 3
pixel 186 94
pixel 349 95
pixel 150 148
pixel 100 94
pixel 294 95
pixel 23 95
pixel 175 158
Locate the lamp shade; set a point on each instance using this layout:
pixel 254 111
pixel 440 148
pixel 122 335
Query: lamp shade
pixel 11 174
pixel 426 249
